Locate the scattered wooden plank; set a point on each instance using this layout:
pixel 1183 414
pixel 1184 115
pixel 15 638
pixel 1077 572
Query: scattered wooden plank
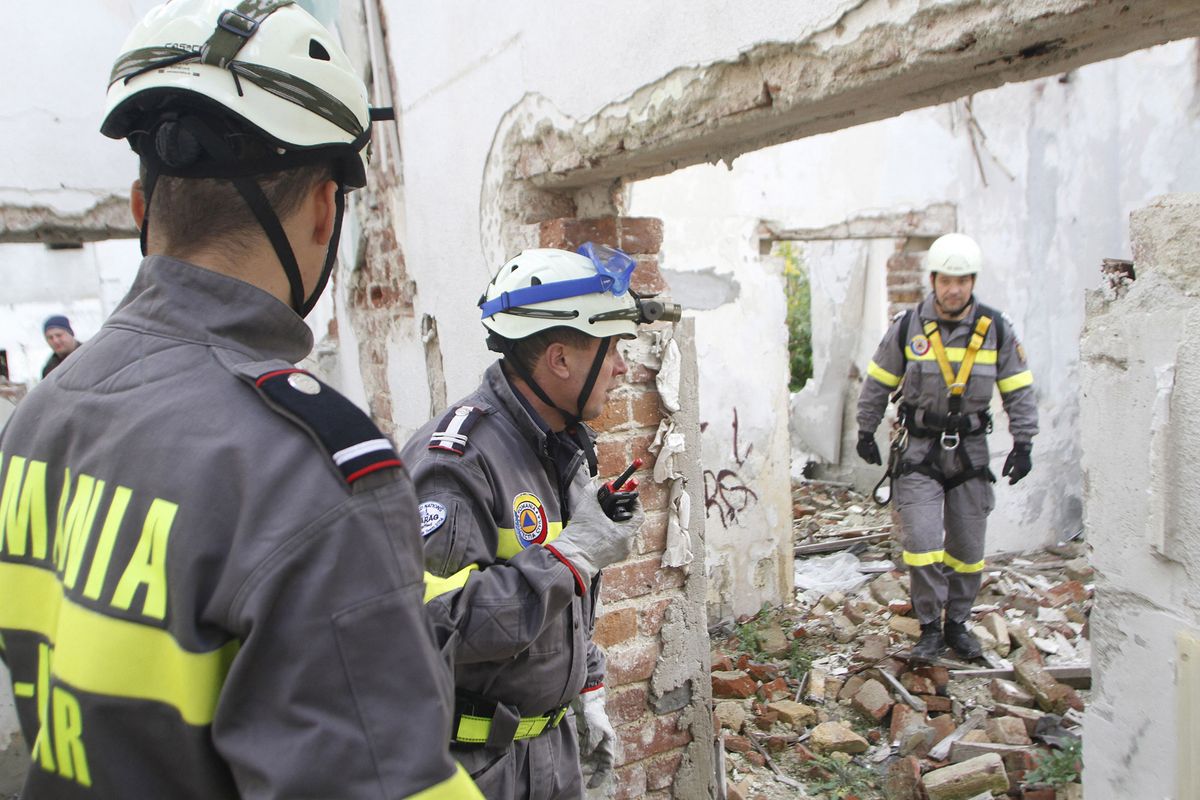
pixel 962 751
pixel 1075 677
pixel 839 544
pixel 915 702
pixel 842 533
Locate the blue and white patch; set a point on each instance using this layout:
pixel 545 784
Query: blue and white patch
pixel 432 516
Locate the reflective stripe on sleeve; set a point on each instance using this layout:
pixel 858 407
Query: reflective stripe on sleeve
pixel 924 559
pixel 883 376
pixel 436 586
pixel 458 787
pixel 959 566
pixel 109 656
pixel 1014 382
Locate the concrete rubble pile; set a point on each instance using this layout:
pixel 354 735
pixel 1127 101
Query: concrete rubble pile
pixel 818 699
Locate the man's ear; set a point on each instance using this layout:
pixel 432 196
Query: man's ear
pixel 324 205
pixel 137 203
pixel 555 359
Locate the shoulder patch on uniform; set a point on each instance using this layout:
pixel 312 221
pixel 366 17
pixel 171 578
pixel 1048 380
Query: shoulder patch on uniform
pixel 529 519
pixel 353 441
pixel 451 433
pixel 432 514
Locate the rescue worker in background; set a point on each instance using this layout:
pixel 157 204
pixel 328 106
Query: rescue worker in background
pixel 62 341
pixel 228 602
pixel 514 535
pixel 945 357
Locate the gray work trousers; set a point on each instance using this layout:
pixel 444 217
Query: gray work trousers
pixel 543 768
pixel 943 531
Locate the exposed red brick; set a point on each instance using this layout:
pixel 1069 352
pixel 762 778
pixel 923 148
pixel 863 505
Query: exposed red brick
pixel 612 455
pixel 658 736
pixel 569 234
pixel 637 578
pixel 646 408
pixel 615 414
pixel 631 662
pixel 757 759
pixel 639 447
pixel 614 627
pixel 652 617
pixel 661 770
pixel 626 704
pixel 640 235
pixel 720 662
pixel 652 537
pixel 654 495
pixel 646 278
pixel 732 684
pixel 903 780
pixel 737 744
pixel 774 690
pixel 630 782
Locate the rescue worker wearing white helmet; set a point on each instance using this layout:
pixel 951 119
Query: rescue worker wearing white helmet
pixel 515 537
pixel 944 359
pixel 230 603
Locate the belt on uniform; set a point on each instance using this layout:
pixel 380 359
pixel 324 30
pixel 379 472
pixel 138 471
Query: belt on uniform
pixel 479 721
pixel 934 424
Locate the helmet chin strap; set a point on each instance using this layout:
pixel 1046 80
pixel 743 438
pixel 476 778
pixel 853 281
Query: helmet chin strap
pixel 571 420
pixel 955 311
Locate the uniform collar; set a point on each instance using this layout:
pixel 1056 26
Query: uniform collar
pixel 531 424
pixel 180 300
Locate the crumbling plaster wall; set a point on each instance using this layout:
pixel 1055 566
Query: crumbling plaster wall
pixel 1141 436
pixel 1061 163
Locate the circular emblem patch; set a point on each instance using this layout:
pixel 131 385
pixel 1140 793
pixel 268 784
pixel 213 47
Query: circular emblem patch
pixel 304 383
pixel 919 345
pixel 529 519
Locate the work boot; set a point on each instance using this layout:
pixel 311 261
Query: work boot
pixel 962 640
pixel 930 645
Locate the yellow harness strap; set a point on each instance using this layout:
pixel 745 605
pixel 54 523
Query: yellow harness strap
pixel 957 384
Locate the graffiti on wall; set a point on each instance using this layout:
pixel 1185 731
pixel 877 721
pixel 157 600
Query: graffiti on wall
pixel 724 489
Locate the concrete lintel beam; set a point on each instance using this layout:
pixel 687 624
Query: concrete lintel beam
pixel 879 60
pixel 931 221
pixel 107 219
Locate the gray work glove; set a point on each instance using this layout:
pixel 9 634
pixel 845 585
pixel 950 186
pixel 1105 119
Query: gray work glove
pixel 598 739
pixel 592 541
pixel 868 451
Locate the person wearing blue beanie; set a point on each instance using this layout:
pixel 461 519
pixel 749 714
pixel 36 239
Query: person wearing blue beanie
pixel 61 338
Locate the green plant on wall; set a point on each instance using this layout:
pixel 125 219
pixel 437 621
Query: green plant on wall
pixel 799 315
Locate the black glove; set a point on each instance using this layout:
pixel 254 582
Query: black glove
pixel 868 451
pixel 1018 463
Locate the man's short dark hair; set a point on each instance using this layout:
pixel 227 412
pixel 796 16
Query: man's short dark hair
pixel 190 213
pixel 526 352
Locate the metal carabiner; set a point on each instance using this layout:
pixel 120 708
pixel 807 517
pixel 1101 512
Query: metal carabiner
pixel 950 440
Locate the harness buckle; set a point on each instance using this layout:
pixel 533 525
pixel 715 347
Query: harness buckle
pixel 900 439
pixel 950 440
pixel 237 24
pixel 955 389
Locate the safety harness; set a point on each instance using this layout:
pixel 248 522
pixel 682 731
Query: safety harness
pixel 951 427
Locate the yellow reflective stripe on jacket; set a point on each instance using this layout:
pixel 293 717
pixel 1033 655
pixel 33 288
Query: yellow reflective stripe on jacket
pixel 109 656
pixel 508 545
pixel 883 376
pixel 923 559
pixel 954 355
pixel 436 586
pixel 459 787
pixel 1014 382
pixel 474 730
pixel 957 384
pixel 959 566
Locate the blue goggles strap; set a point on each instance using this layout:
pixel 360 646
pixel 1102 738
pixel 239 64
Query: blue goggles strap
pixel 560 290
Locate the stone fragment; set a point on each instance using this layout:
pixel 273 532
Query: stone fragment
pixel 760 671
pixel 774 690
pixel 1007 730
pixel 1005 691
pixel 732 683
pixel 939 675
pixel 816 685
pixel 917 684
pixel 852 612
pixel 899 607
pixel 1028 716
pixel 851 687
pixel 978 736
pixel 873 700
pixel 836 737
pixel 833 688
pixel 887 588
pixel 907 626
pixel 998 628
pixel 873 648
pixel 798 715
pixel 737 744
pixel 742 790
pixel 936 704
pixel 903 781
pixel 942 726
pixel 967 779
pixel 985 638
pixel 1067 592
pixel 765 718
pixel 730 714
pixel 1078 569
pixel 721 662
pixel 844 631
pixel 1051 695
pixel 756 758
pixel 918 741
pixel 904 719
pixel 773 642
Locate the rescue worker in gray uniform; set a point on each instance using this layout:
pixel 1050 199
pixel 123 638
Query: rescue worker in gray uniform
pixel 515 537
pixel 211 579
pixel 946 357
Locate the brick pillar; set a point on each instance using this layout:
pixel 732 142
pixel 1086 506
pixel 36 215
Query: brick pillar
pixel 662 716
pixel 906 284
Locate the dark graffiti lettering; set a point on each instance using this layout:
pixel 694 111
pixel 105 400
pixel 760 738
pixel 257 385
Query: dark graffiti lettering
pixel 724 489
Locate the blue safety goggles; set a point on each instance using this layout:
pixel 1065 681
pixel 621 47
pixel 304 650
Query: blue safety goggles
pixel 613 270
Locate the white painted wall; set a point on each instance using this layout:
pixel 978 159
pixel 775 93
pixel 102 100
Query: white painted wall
pixel 1082 152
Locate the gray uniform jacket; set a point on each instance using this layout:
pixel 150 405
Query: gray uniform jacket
pixel 194 601
pixel 906 355
pixel 521 622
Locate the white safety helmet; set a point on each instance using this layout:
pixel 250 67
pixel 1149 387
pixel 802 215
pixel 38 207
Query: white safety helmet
pixel 954 254
pixel 269 63
pixel 546 288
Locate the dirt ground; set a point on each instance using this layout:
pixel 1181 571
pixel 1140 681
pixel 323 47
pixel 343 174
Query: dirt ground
pixel 1033 607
